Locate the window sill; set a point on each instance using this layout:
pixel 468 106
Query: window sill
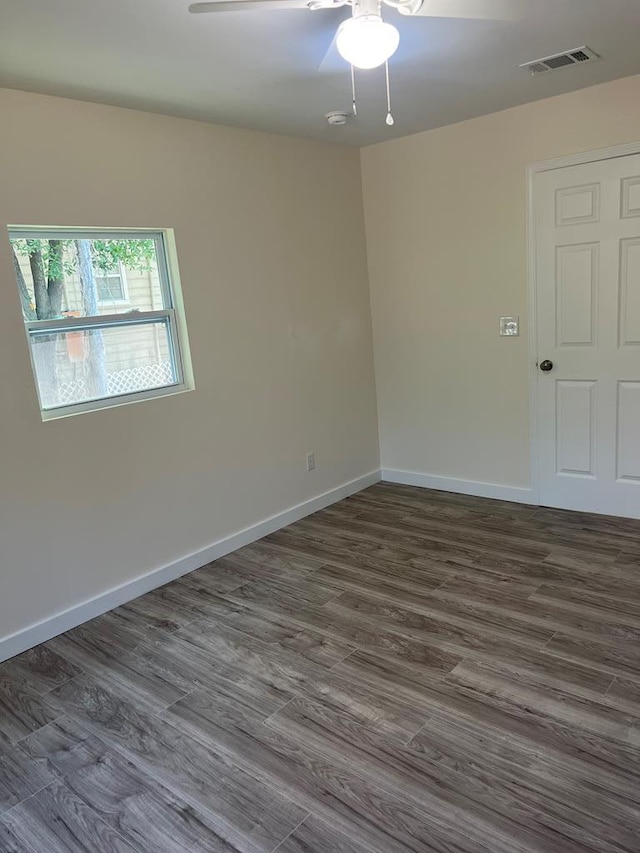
pixel 61 412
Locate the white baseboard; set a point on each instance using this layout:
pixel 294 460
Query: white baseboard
pixel 462 487
pixel 79 613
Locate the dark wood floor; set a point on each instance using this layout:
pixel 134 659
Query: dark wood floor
pixel 405 671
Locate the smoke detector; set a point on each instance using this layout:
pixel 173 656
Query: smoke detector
pixel 337 118
pixel 577 56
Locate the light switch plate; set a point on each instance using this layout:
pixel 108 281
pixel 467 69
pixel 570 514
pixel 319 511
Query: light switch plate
pixel 509 326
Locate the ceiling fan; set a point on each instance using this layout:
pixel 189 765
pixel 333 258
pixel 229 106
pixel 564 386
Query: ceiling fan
pixel 364 40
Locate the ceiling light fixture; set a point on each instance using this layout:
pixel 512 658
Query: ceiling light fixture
pixel 366 41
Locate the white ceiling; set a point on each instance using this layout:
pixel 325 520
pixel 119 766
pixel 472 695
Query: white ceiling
pixel 261 69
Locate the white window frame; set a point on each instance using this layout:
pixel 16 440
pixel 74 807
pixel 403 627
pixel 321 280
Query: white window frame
pixel 121 273
pixel 172 314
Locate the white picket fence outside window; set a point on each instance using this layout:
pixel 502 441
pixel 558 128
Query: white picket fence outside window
pixel 120 382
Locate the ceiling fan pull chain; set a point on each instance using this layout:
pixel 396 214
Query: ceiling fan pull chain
pixel 353 91
pixel 389 119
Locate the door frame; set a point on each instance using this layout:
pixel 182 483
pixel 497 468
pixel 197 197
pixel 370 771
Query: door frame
pixel 532 170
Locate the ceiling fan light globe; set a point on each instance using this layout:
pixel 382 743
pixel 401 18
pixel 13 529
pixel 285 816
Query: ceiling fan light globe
pixel 367 41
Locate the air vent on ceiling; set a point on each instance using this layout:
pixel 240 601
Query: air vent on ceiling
pixel 577 56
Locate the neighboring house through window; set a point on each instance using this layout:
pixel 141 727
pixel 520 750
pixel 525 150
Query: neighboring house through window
pixel 111 286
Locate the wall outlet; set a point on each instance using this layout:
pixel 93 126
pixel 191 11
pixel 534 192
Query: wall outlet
pixel 311 461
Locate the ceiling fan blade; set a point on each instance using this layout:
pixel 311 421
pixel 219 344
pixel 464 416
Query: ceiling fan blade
pixel 488 10
pixel 247 5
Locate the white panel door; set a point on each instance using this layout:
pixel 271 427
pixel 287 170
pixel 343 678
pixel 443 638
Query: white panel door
pixel 587 227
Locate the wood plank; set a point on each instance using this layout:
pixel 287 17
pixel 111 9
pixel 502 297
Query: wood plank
pixel 189 667
pixel 274 560
pixel 596 604
pixel 344 629
pixel 355 807
pixel 287 577
pixel 245 812
pixel 167 608
pixel 435 616
pixel 123 671
pixel 391 579
pixel 316 836
pixel 144 812
pixel 22 710
pixel 251 673
pixel 535 696
pixel 41 669
pixel 476 706
pixel 488 797
pixel 9 843
pixel 20 777
pixel 117 629
pixel 367 553
pixel 608 658
pixel 469 643
pixel 625 694
pixel 58 821
pixel 555 616
pixel 430 535
pixel 565 794
pixel 281 633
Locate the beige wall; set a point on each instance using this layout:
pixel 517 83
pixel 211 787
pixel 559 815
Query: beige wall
pixel 270 241
pixel 445 215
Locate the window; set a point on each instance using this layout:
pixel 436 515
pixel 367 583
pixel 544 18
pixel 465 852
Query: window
pixel 111 286
pixel 100 311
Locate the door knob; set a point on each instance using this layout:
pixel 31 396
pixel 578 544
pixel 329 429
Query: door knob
pixel 546 365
